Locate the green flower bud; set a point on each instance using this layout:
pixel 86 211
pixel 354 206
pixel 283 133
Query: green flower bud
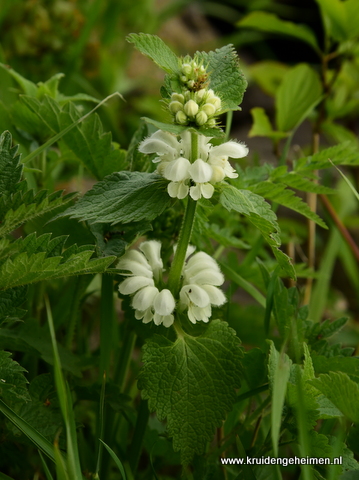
pixel 181 118
pixel 209 109
pixel 175 107
pixel 177 97
pixel 191 108
pixel 190 84
pixel 200 94
pixel 183 78
pixel 186 69
pixel 216 101
pixel 211 122
pixel 201 118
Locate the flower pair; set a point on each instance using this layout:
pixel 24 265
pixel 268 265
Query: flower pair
pixel 201 277
pixel 197 178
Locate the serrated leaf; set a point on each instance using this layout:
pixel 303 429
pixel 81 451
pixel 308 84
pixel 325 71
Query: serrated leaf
pixel 13 384
pixel 268 22
pixel 10 301
pixel 342 154
pixel 122 198
pixel 280 194
pixel 348 365
pixel 341 391
pixel 262 127
pixel 91 145
pixel 155 48
pixel 192 382
pixel 225 76
pixel 10 166
pixel 296 96
pixel 260 214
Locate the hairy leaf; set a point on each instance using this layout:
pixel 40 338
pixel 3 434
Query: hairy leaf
pixel 225 76
pixel 260 214
pixel 12 380
pixel 10 166
pixel 192 382
pixel 155 48
pixel 122 198
pixel 10 301
pixel 87 141
pixel 342 154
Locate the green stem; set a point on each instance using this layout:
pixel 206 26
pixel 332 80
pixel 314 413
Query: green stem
pixel 185 232
pixel 138 436
pixel 107 323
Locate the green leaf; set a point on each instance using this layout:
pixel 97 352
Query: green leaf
pixel 154 48
pixel 278 373
pixel 115 459
pixel 336 20
pixel 122 198
pixel 13 384
pixel 268 75
pixel 341 391
pixel 225 76
pixel 34 259
pixel 10 301
pixel 10 166
pixel 87 141
pixel 262 127
pixel 297 95
pixel 260 214
pixel 268 22
pixel 192 382
pixel 342 154
pixel 280 194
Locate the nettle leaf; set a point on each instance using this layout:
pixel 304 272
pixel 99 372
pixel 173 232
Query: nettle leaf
pixel 260 214
pixel 280 194
pixel 297 95
pixel 341 391
pixel 10 166
pixel 268 22
pixel 10 301
pixel 31 260
pixel 342 154
pixel 122 198
pixel 225 76
pixel 192 383
pixel 91 145
pixel 155 48
pixel 13 384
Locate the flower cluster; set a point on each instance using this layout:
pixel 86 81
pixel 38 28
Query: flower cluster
pixel 201 277
pixel 199 292
pixel 199 107
pixel 146 267
pixel 193 74
pixel 195 178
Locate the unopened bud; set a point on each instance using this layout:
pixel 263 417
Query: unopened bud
pixel 175 107
pixel 183 78
pixel 200 94
pixel 177 97
pixel 190 84
pixel 216 101
pixel 209 109
pixel 181 118
pixel 201 118
pixel 191 108
pixel 211 122
pixel 186 69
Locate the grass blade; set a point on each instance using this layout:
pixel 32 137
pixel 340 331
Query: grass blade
pixel 45 467
pixel 31 433
pixel 115 459
pixel 101 421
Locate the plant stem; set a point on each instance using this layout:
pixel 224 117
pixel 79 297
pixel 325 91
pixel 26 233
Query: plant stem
pixel 140 429
pixel 107 323
pixel 185 232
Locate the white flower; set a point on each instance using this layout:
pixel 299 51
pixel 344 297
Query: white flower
pixel 201 276
pixel 177 170
pixel 162 143
pixel 201 190
pixel 218 159
pixel 145 268
pixel 177 190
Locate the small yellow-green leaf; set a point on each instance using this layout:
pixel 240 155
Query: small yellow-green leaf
pixel 262 127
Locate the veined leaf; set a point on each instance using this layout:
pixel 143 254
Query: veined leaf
pixel 268 22
pixel 10 166
pixel 342 154
pixel 122 198
pixel 13 384
pixel 155 48
pixel 204 368
pixel 225 77
pixel 340 390
pixel 10 300
pixel 260 214
pixel 296 96
pixel 262 127
pixel 87 140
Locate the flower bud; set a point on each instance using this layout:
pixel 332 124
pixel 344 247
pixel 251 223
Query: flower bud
pixel 175 107
pixel 181 118
pixel 216 101
pixel 190 84
pixel 177 97
pixel 209 109
pixel 211 122
pixel 201 118
pixel 183 78
pixel 200 94
pixel 186 69
pixel 191 108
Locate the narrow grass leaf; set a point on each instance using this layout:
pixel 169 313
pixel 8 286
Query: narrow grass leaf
pixel 45 467
pixel 61 472
pixel 247 472
pixel 101 423
pixel 116 460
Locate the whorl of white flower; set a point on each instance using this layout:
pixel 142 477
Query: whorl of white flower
pixel 145 268
pixel 201 279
